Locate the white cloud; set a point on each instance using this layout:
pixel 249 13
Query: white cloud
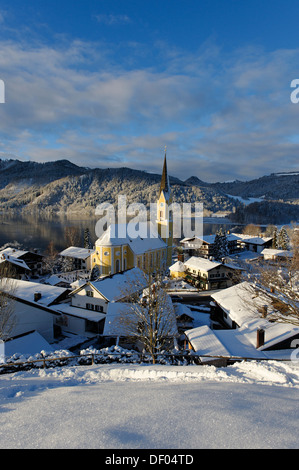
pixel 220 117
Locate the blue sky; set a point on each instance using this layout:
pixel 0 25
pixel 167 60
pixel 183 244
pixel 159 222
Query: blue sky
pixel 111 83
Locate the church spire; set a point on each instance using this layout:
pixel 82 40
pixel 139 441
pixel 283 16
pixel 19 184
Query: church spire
pixel 164 186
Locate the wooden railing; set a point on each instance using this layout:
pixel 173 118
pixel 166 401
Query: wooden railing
pixel 136 357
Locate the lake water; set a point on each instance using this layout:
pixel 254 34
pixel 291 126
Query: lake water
pixel 33 232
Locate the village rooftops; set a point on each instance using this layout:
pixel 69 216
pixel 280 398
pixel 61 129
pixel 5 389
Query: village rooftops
pixel 241 342
pixel 237 303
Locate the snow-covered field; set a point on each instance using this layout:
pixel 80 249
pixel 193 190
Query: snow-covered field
pixel 128 406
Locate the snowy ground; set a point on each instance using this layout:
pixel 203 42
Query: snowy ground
pixel 127 406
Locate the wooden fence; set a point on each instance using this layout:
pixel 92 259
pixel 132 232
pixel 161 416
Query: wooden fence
pixel 101 358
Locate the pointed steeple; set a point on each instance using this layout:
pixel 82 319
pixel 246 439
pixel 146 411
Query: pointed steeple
pixel 165 186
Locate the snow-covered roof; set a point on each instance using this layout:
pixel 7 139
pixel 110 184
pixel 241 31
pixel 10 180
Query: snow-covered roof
pixel 241 303
pixel 13 252
pixel 201 263
pixel 77 252
pixel 204 341
pixel 26 290
pixel 178 267
pixel 209 239
pixel 237 302
pixel 118 285
pixel 54 280
pixel 67 309
pixel 119 234
pixel 13 260
pixel 275 252
pixel 241 342
pixel 182 309
pixel 31 343
pixel 252 239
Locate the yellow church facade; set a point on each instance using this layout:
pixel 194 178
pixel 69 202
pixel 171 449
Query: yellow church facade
pixel 153 252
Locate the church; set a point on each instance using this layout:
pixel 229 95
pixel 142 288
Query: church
pixel 150 253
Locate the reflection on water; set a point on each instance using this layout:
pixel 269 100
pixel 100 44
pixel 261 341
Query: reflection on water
pixel 35 232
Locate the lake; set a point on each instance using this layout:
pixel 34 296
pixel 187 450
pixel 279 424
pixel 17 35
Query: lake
pixel 35 232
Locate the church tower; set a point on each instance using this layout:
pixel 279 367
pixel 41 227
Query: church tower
pixel 164 215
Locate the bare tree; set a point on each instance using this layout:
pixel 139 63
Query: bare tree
pixel 252 229
pixel 51 259
pixel 72 236
pixel 149 318
pixel 278 284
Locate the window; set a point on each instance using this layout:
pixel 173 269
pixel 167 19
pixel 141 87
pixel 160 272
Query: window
pixel 99 308
pixel 90 306
pixel 117 265
pixel 89 293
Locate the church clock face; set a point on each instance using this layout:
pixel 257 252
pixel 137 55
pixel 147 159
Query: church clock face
pixel 161 204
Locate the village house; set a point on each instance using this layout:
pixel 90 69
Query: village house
pixel 177 270
pixel 251 243
pixel 205 246
pixel 209 275
pixel 31 306
pixel 80 258
pixel 91 302
pixel 23 264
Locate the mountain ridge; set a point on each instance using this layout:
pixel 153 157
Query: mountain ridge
pixel 61 187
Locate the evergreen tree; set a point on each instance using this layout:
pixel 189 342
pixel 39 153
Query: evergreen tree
pixel 87 239
pixel 283 239
pixel 220 245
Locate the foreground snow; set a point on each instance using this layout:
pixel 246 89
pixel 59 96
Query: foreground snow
pixel 247 405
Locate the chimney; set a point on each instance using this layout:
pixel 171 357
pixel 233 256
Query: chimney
pixel 260 337
pixel 264 311
pixel 37 296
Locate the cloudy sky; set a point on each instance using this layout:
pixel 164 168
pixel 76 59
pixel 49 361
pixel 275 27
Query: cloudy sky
pixel 110 83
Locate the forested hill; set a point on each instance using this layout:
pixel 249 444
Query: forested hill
pixel 65 188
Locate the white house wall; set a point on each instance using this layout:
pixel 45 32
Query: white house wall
pixel 80 299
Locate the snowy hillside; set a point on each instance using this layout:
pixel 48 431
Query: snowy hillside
pixel 247 405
